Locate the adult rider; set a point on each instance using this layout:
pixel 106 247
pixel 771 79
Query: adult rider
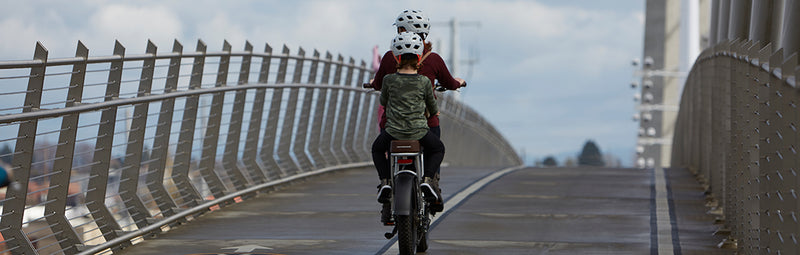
pixel 431 65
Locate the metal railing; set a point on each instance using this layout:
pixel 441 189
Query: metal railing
pixel 737 130
pixel 108 150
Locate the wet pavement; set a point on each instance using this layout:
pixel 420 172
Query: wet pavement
pixel 488 211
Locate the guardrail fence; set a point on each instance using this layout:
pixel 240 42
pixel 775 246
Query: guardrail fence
pixel 106 150
pixel 737 130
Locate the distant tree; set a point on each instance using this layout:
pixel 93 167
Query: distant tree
pixel 549 161
pixel 590 156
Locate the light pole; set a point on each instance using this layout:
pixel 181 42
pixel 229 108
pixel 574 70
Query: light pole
pixel 650 107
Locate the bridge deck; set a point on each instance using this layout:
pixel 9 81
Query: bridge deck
pixel 526 211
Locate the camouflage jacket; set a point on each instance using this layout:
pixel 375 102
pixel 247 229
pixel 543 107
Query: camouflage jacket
pixel 406 98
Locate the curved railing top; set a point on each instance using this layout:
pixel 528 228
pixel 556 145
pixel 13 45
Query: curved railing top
pixel 105 149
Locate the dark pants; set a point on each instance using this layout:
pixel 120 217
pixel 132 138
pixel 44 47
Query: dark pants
pixel 433 151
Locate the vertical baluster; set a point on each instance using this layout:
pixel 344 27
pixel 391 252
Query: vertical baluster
pixel 14 206
pixel 105 137
pixel 208 160
pixel 785 174
pixel 287 164
pixel 330 153
pixel 318 126
pixel 129 179
pixel 58 191
pixel 767 155
pixel 345 109
pixel 301 150
pixel 183 154
pixel 96 189
pixel 794 147
pixel 370 119
pixel 269 146
pixel 365 107
pixel 733 107
pixel 250 154
pixel 160 153
pixel 374 127
pixel 229 161
pixel 356 110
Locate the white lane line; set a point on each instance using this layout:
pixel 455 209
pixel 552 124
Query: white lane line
pixel 663 220
pixel 458 198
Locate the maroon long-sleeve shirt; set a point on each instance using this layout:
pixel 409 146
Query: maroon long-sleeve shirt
pixel 433 67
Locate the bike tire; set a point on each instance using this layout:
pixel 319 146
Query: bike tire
pixel 406 234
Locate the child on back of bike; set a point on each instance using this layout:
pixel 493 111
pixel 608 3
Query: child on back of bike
pixel 409 101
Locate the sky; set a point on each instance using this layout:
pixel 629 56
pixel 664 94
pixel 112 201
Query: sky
pixel 549 74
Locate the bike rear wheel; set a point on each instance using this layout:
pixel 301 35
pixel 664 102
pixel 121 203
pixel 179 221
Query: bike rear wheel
pixel 406 234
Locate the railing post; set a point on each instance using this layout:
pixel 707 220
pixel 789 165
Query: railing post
pixel 129 179
pixel 329 152
pixel 183 153
pixel 786 227
pixel 288 165
pixel 14 205
pixel 790 41
pixel 160 152
pixel 794 143
pixel 352 139
pixel 96 193
pixel 345 109
pixel 208 159
pixel 231 153
pixel 58 193
pixel 315 145
pixel 370 123
pixel 768 155
pixel 301 150
pixel 359 145
pixel 270 135
pixel 250 154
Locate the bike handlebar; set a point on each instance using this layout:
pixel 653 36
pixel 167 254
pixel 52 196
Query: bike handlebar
pixel 438 86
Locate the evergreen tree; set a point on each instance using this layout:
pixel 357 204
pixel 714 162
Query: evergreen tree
pixel 590 156
pixel 550 161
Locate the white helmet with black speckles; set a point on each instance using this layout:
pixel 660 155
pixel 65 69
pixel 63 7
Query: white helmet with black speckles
pixel 407 42
pixel 414 21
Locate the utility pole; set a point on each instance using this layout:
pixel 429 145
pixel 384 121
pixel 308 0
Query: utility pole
pixel 454 60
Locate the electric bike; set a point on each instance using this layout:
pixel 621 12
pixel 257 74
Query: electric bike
pixel 410 210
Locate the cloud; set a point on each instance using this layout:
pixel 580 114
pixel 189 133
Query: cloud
pixel 25 35
pixel 133 25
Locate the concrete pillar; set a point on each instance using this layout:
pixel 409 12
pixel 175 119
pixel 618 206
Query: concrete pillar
pixel 791 37
pixel 761 21
pixel 714 23
pixel 724 20
pixel 739 19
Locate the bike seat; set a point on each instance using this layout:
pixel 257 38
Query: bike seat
pixel 405 146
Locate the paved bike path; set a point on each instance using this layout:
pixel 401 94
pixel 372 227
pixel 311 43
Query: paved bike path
pixel 335 213
pixel 526 211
